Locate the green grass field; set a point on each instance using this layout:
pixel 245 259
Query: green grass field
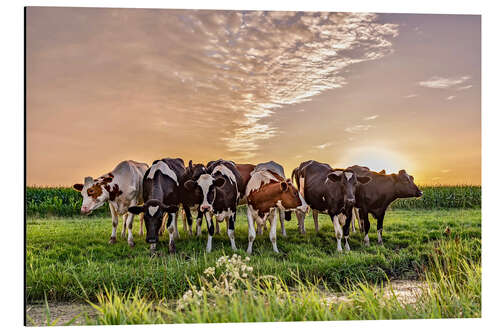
pixel 70 259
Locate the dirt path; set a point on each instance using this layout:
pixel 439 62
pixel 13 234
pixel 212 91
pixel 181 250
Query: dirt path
pixel 62 312
pixel 406 291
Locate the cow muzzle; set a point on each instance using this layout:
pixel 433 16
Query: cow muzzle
pixel 419 193
pixel 350 202
pixel 205 208
pixel 85 211
pixel 151 239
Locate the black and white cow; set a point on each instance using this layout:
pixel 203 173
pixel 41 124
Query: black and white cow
pixel 161 184
pixel 191 198
pixel 376 196
pixel 221 188
pixel 329 191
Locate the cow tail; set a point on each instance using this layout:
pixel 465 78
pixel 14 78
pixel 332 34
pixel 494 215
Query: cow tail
pixel 295 176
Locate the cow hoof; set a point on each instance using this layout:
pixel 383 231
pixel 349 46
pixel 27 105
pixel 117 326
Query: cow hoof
pixel 141 233
pixel 123 234
pixel 381 243
pixel 171 248
pixel 112 240
pixel 131 243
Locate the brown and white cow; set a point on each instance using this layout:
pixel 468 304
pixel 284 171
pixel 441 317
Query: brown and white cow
pixel 266 193
pixel 121 188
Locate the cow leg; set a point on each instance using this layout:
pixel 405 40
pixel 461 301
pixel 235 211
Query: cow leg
pixel 189 219
pixel 171 227
pixel 282 222
pixel 184 218
pixel 259 228
pixel 130 222
pixel 210 226
pixel 346 227
pixel 272 230
pixel 315 218
pixel 353 228
pixel 141 222
pixel 366 225
pixel 163 223
pixel 199 220
pixel 300 221
pixel 360 224
pixel 124 217
pixel 230 229
pixel 176 230
pixel 114 221
pixel 251 230
pixel 380 226
pixel 338 232
pixel 217 227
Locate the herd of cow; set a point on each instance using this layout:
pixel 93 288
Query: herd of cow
pixel 215 190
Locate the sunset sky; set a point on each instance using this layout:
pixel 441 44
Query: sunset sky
pixel 388 91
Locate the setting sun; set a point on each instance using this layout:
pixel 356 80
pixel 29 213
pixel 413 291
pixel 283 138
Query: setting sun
pixel 377 159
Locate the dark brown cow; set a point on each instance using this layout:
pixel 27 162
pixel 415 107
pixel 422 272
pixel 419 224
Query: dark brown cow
pixel 375 196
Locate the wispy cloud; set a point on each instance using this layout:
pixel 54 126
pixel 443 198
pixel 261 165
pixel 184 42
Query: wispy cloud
pixel 358 128
pixel 443 82
pixel 465 87
pixel 449 98
pixel 375 116
pixel 411 96
pixel 324 145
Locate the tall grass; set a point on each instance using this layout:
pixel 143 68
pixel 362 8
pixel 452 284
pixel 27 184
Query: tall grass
pixel 66 202
pixel 452 289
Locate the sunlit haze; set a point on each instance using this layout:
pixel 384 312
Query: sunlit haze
pixel 388 91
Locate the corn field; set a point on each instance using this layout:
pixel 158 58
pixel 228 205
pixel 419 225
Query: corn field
pixel 66 202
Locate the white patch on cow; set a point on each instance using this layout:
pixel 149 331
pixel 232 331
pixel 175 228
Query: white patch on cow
pixel 204 182
pixel 348 175
pixel 164 168
pixel 303 204
pixel 152 210
pixel 323 197
pixel 379 235
pixel 225 171
pixel 280 205
pixel 258 179
pixel 342 219
pixel 225 213
pixel 337 172
pixel 367 240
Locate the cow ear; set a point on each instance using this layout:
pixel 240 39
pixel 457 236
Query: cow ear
pixel 364 180
pixel 136 210
pixel 402 171
pixel 169 209
pixel 78 187
pixel 335 176
pixel 219 181
pixel 190 164
pixel 190 185
pixel 284 186
pixel 382 172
